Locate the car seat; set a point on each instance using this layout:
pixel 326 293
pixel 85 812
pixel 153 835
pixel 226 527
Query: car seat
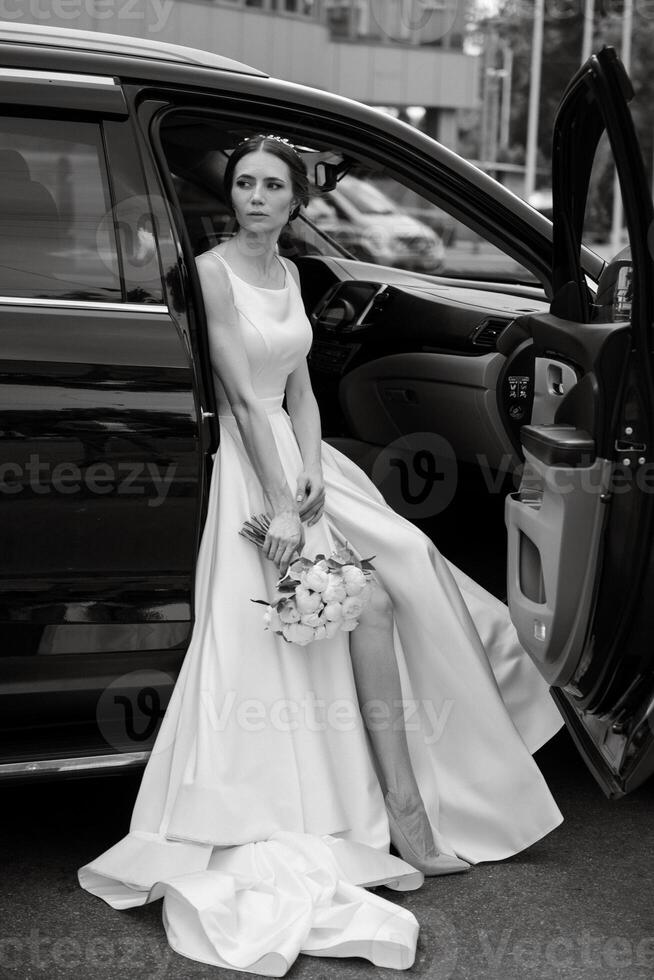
pixel 30 226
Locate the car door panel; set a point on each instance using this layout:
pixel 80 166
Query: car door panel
pixel 553 539
pixel 553 379
pixel 555 520
pixel 580 525
pixel 101 450
pixel 411 393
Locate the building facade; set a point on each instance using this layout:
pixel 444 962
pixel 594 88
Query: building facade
pixel 390 53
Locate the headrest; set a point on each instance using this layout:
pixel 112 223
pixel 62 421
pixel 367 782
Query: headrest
pixel 13 165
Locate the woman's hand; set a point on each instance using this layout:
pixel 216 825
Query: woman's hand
pixel 310 496
pixel 285 536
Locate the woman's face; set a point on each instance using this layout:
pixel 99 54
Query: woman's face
pixel 262 192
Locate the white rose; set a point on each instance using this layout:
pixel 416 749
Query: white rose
pixel 316 579
pixel 349 624
pixel 335 591
pixel 288 613
pixel 311 619
pixel 298 633
pixel 353 579
pixel 307 601
pixel 333 611
pixel 352 607
pixel 271 618
pixel 320 633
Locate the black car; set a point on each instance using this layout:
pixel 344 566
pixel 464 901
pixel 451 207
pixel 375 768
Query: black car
pixel 526 368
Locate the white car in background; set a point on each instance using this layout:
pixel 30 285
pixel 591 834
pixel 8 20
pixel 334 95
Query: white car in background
pixel 373 228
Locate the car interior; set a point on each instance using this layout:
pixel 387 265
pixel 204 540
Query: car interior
pixel 419 378
pixel 51 225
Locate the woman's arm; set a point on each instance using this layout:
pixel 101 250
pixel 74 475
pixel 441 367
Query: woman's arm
pixel 285 534
pixel 304 414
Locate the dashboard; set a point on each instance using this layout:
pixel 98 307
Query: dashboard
pixel 396 352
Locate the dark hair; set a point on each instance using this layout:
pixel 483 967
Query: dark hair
pixel 281 149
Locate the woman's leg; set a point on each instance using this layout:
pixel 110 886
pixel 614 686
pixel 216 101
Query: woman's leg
pixel 378 686
pixel 380 694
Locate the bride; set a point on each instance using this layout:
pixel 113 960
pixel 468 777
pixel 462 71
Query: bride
pixel 282 773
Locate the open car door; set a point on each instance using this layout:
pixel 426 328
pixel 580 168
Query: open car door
pixel 580 561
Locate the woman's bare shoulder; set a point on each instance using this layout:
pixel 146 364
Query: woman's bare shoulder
pixel 210 260
pixel 214 278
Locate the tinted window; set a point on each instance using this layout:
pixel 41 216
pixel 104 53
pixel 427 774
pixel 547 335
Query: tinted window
pixel 366 197
pixel 604 231
pixel 408 238
pixel 56 228
pixel 197 151
pixel 370 214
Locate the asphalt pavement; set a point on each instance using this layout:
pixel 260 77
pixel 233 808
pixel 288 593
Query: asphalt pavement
pixel 578 904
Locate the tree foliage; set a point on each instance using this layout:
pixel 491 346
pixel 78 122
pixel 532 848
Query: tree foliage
pixel 562 46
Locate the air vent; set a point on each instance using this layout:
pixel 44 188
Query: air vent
pixel 486 334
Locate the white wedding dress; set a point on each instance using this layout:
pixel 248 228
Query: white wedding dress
pixel 260 817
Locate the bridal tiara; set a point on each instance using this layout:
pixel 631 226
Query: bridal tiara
pixel 269 136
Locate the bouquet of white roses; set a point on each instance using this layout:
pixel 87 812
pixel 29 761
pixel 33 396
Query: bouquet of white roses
pixel 319 596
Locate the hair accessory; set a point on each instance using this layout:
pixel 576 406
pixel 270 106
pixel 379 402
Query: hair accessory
pixel 269 136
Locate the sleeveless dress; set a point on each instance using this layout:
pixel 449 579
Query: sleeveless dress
pixel 260 818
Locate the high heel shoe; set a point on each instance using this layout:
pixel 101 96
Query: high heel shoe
pixel 430 861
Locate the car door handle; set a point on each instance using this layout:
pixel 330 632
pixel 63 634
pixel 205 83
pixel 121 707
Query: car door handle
pixel 406 395
pixel 626 446
pixel 558 445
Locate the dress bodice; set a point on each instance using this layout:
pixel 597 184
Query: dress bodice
pixel 276 334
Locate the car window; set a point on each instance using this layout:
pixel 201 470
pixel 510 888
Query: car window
pixel 604 231
pixel 209 221
pixel 319 210
pixel 198 181
pixel 414 233
pixel 56 233
pixel 365 196
pixel 378 219
pixel 369 215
